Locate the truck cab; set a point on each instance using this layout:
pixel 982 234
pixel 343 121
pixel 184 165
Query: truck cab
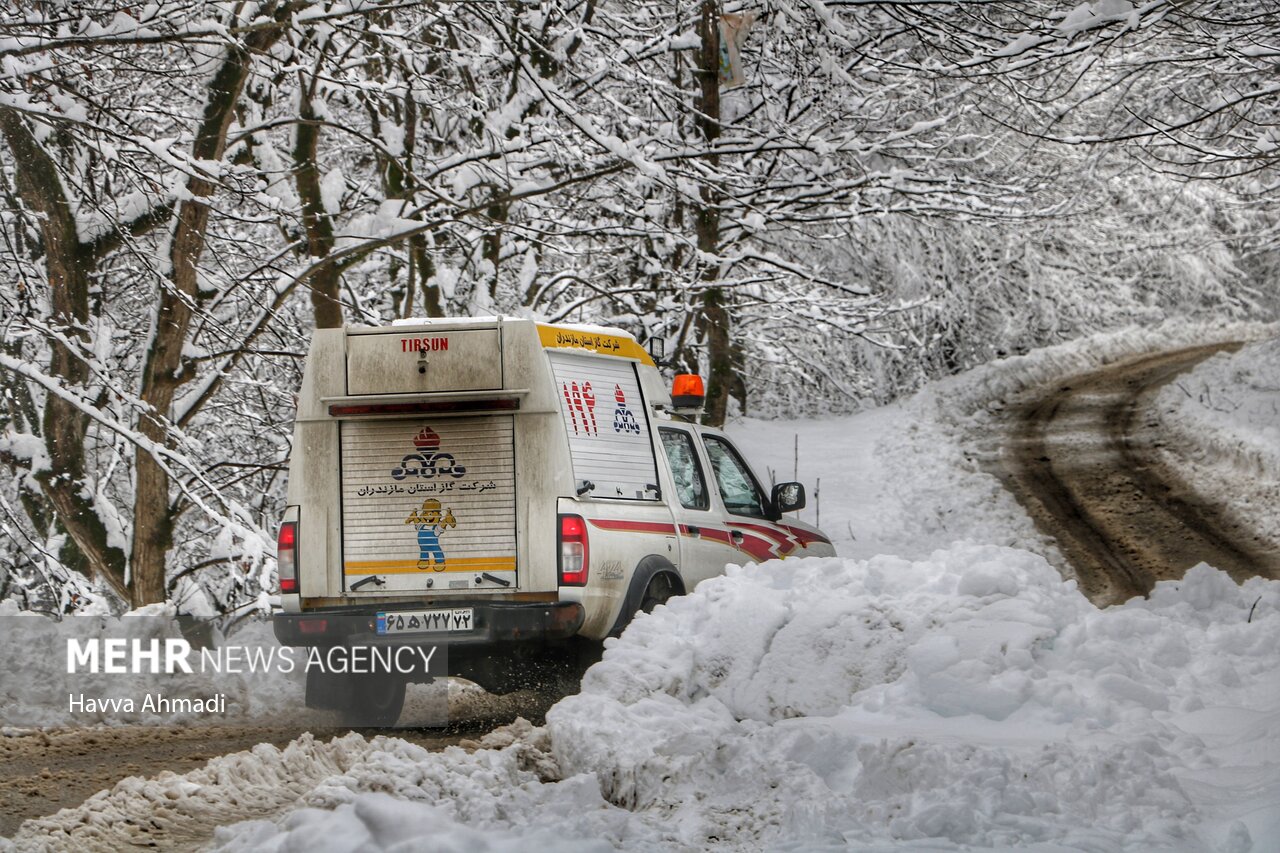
pixel 508 490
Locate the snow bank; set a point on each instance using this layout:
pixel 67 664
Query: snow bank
pixel 350 793
pixel 972 698
pixel 987 386
pixel 968 700
pixel 1223 421
pixel 401 797
pixel 172 807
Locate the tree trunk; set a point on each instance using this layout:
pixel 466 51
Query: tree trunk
pixel 67 265
pixel 714 328
pixel 164 370
pixel 326 280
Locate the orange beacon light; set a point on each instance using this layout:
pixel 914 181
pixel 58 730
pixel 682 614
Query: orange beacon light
pixel 686 391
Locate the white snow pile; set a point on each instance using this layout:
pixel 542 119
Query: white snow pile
pixel 1223 420
pixel 969 700
pixel 170 808
pixel 972 698
pixel 400 797
pixel 36 687
pixel 351 793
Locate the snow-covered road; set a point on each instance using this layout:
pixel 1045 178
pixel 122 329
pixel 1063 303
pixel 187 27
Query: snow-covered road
pixel 1083 462
pixel 940 686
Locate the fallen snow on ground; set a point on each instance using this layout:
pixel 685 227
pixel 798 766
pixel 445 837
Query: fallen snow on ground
pixel 969 700
pixel 1223 422
pixel 172 807
pixel 972 698
pixel 957 696
pixel 914 476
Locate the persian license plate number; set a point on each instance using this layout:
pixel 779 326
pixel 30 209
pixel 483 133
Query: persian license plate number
pixel 426 621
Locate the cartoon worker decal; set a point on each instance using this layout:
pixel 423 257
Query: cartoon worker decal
pixel 431 522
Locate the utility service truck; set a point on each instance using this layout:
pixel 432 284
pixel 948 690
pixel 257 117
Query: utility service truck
pixel 510 491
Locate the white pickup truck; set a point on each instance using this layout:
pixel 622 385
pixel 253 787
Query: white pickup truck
pixel 507 490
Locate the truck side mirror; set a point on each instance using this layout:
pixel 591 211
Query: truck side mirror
pixel 788 497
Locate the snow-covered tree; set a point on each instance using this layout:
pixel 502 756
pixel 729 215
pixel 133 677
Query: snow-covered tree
pixel 868 195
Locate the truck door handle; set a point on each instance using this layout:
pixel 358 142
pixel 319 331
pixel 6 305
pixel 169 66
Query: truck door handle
pixel 736 536
pixel 693 530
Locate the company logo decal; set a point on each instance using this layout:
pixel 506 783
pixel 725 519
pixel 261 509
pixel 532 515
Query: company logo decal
pixel 424 345
pixel 624 420
pixel 580 400
pixel 428 461
pixel 431 519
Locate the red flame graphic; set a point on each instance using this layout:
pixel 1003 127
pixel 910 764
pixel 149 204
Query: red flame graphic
pixel 427 439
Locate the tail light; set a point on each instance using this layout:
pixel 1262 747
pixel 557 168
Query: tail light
pixel 287 557
pixel 574 551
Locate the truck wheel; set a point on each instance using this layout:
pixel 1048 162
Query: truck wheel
pixel 327 691
pixel 654 582
pixel 658 591
pixel 374 700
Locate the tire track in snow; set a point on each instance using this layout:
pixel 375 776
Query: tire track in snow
pixel 1083 463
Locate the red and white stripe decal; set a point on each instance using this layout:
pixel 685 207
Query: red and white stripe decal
pixel 804 537
pixel 633 526
pixel 786 544
pixel 758 549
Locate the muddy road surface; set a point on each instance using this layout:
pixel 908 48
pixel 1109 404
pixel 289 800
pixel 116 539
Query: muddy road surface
pixel 1083 460
pixel 44 771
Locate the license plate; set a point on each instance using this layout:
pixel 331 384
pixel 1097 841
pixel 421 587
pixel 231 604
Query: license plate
pixel 426 621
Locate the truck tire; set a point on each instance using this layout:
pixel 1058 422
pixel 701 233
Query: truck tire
pixel 327 691
pixel 658 591
pixel 373 700
pixel 654 581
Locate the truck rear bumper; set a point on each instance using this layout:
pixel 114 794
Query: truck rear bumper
pixel 494 623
